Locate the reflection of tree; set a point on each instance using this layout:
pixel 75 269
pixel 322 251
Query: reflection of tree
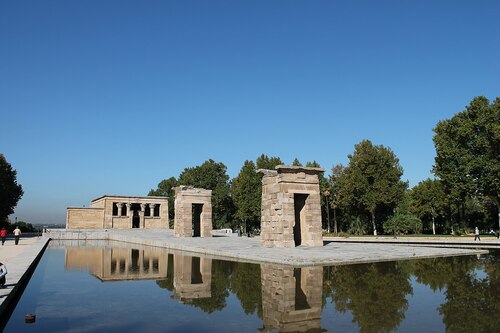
pixel 245 283
pixel 374 293
pixel 472 303
pixel 438 272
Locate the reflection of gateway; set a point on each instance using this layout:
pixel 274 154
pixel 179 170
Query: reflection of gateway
pixel 192 278
pixel 112 264
pixel 291 298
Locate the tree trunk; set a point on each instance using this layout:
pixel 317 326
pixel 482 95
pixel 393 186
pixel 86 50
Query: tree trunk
pixel 433 226
pixel 335 219
pixel 374 225
pixel 496 201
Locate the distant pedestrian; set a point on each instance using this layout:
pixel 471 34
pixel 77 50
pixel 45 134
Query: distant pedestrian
pixel 17 233
pixel 3 234
pixel 3 272
pixel 476 234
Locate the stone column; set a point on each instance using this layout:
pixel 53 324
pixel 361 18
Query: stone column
pixel 119 205
pixel 129 213
pixel 152 208
pixel 141 215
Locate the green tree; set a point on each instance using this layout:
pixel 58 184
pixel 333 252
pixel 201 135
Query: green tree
pixel 296 162
pixel 371 182
pixel 26 227
pixel 468 153
pixel 212 176
pixel 403 223
pixel 246 194
pixel 335 200
pixel 428 201
pixel 166 189
pixel 10 190
pixel 266 162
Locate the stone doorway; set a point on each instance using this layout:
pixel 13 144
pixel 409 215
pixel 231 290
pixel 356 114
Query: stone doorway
pixel 193 212
pixel 291 207
pixel 136 219
pixel 196 213
pixel 299 203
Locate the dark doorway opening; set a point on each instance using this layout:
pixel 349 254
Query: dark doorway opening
pixel 136 219
pixel 196 277
pixel 197 209
pixel 299 204
pixel 134 261
pixel 300 297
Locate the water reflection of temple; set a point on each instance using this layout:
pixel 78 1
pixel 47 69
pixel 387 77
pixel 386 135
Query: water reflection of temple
pixel 192 278
pixel 291 298
pixel 111 264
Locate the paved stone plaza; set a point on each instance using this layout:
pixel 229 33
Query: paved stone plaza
pixel 250 250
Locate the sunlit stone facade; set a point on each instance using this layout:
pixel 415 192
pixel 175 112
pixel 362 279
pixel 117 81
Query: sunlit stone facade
pixel 193 212
pixel 291 207
pixel 120 212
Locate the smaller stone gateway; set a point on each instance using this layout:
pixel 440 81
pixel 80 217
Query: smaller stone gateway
pixel 291 207
pixel 193 212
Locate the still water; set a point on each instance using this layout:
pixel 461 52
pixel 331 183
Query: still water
pixel 116 287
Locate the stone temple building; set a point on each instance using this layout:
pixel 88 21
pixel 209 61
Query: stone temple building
pixel 193 212
pixel 291 207
pixel 120 212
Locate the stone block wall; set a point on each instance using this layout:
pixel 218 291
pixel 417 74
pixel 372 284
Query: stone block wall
pixel 185 198
pixel 280 300
pixel 282 189
pixel 84 218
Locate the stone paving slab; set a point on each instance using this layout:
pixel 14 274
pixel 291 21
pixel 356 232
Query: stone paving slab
pixel 249 249
pixel 20 261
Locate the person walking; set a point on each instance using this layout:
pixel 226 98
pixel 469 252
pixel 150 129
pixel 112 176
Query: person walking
pixel 3 272
pixel 3 234
pixel 17 233
pixel 476 234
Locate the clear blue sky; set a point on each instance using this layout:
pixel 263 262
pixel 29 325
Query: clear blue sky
pixel 111 97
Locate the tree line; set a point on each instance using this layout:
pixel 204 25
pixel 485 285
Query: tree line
pixel 368 194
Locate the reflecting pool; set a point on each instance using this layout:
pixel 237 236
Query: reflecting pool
pixel 117 287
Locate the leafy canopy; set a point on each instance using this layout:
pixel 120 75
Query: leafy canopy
pixel 10 191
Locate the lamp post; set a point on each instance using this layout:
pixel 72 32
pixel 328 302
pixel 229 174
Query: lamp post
pixel 327 197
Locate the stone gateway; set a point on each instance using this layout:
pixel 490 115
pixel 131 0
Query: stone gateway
pixel 291 207
pixel 193 212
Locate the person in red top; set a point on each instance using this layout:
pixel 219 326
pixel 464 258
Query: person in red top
pixel 3 234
